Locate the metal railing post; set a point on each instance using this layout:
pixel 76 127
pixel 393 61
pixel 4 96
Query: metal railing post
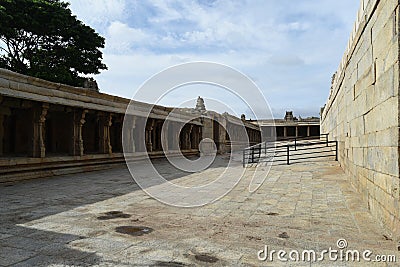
pixel 287 151
pixel 327 139
pixel 336 155
pixel 252 155
pixel 244 157
pixel 295 144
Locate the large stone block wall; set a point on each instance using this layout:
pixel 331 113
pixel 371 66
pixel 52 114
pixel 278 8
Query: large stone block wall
pixel 362 111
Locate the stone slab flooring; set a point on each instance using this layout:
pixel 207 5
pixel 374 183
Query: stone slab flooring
pixel 81 219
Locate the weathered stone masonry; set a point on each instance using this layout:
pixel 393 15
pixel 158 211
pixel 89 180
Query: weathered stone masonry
pixel 362 111
pixel 48 128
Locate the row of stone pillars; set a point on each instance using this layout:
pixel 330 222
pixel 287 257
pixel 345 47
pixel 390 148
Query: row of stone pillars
pixel 104 123
pixel 291 131
pixel 35 129
pixel 285 134
pixel 171 136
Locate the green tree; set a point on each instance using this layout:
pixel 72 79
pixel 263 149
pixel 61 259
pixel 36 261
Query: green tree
pixel 43 39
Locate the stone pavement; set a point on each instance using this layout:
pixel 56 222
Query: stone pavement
pixel 103 219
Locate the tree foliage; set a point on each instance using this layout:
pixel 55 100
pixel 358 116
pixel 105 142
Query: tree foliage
pixel 43 39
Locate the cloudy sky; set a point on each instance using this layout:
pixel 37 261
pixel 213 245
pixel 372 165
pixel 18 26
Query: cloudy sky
pixel 288 48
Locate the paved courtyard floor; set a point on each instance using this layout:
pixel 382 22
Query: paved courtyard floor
pixel 104 219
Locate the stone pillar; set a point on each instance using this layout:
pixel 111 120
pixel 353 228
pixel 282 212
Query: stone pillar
pixel 196 137
pixel 176 136
pixel 183 138
pixel 128 135
pixel 164 136
pixel 297 131
pixel 154 136
pixel 140 134
pixel 118 120
pixel 148 138
pixel 308 130
pixel 76 148
pixel 188 139
pixel 284 131
pixel 105 121
pixel 133 126
pixel 199 136
pixel 39 120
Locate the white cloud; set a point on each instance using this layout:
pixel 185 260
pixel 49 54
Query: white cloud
pixel 165 12
pixel 120 38
pixel 98 13
pixel 290 48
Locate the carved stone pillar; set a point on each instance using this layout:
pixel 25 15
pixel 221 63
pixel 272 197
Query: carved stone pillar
pixel 129 134
pixel 284 131
pixel 149 133
pixel 170 136
pixel 195 142
pixel 140 135
pixel 199 136
pixel 183 138
pixel 38 149
pixel 308 130
pixel 188 134
pixel 174 136
pixel 157 136
pixel 154 136
pixel 297 131
pixel 133 126
pixel 177 134
pixel 164 136
pixel 117 132
pixel 105 121
pixel 76 148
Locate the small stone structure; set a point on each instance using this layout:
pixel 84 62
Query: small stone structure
pixel 289 116
pixel 91 83
pixel 362 112
pixel 55 129
pixel 200 105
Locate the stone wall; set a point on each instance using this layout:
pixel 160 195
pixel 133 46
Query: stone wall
pixel 362 111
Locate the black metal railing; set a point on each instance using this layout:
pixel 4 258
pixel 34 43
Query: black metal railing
pixel 290 150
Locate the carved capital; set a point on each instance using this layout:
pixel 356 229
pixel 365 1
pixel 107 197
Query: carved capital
pixel 43 114
pixel 150 124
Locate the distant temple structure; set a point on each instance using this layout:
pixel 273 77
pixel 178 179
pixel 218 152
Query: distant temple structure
pixel 200 106
pixel 289 126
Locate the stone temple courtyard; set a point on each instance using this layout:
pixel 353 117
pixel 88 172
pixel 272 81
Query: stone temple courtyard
pixel 84 219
